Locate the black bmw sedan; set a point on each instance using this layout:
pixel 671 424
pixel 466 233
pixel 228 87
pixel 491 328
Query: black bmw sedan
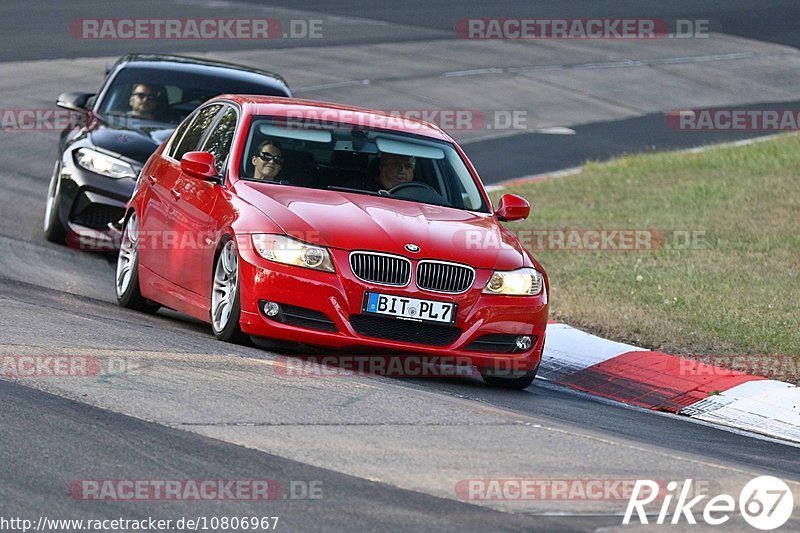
pixel 144 97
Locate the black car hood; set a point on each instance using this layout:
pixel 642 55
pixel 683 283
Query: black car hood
pixel 135 142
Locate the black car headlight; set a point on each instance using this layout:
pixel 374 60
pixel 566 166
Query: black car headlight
pixel 283 249
pixel 104 164
pixel 520 282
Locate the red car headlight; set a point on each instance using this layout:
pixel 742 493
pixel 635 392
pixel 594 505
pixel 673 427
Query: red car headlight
pixel 283 249
pixel 520 282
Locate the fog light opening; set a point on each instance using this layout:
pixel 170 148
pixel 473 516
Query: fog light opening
pixel 523 343
pixel 271 309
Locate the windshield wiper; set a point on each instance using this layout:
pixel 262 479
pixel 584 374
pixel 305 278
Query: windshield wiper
pixel 385 194
pixel 273 182
pixel 359 191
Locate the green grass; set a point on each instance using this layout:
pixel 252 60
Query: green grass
pixel 737 291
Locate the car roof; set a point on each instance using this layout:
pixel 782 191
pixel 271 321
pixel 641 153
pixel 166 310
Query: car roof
pixel 187 64
pixel 328 112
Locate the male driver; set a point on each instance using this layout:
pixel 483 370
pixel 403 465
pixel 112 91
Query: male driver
pixel 394 170
pixel 144 102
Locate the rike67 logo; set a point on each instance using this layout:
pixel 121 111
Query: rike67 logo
pixel 766 503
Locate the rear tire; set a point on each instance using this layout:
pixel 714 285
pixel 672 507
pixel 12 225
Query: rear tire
pixel 518 382
pixel 126 279
pixel 54 230
pixel 225 303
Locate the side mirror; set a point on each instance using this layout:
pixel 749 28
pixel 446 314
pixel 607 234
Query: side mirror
pixel 200 165
pixel 512 207
pixel 74 101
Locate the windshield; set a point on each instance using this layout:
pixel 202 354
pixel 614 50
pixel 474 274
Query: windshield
pixel 360 160
pixel 167 97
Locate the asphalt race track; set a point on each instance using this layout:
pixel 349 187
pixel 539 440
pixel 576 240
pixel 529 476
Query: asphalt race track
pixel 172 403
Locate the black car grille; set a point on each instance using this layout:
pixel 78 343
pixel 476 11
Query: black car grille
pixel 495 343
pixel 444 277
pixel 97 216
pixel 381 268
pixel 404 331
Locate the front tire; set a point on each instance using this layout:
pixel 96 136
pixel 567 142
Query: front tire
pixel 54 230
pixel 126 279
pixel 225 303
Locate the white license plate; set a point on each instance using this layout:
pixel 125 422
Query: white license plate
pixel 409 308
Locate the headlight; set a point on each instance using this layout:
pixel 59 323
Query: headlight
pixel 104 164
pixel 283 249
pixel 520 282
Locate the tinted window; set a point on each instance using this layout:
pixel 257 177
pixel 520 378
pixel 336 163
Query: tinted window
pixel 360 159
pixel 178 92
pixel 177 136
pixel 219 141
pixel 195 131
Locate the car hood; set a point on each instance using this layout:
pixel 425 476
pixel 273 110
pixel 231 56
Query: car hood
pixel 135 142
pixel 351 221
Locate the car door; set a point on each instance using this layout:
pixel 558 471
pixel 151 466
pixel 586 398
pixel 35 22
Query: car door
pixel 193 209
pixel 159 176
pixel 168 232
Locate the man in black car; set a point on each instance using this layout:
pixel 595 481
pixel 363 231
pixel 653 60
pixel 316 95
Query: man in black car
pixel 145 102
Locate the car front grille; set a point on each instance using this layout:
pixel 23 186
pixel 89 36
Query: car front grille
pixel 404 331
pixel 384 269
pixel 440 276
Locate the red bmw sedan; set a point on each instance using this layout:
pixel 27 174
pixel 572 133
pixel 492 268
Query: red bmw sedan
pixel 333 226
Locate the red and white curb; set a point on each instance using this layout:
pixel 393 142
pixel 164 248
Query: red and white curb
pixel 664 382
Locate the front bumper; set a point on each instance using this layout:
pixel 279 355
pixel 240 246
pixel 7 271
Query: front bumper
pixel 90 205
pixel 326 311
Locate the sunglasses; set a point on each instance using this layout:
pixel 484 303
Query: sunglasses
pixel 267 157
pixel 145 96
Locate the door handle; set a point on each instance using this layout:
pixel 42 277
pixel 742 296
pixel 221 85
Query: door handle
pixel 152 180
pixel 175 194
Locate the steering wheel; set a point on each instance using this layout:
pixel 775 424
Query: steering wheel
pixel 411 185
pixel 418 191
